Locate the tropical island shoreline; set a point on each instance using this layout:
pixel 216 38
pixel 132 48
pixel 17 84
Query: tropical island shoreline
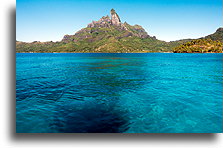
pixel 110 35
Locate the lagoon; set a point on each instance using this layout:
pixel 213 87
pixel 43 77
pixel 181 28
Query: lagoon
pixel 118 93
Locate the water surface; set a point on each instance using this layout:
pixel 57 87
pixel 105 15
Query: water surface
pixel 131 93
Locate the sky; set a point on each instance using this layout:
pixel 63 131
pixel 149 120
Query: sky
pixel 168 20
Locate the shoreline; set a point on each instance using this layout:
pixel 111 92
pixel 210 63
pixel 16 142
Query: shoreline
pixel 119 52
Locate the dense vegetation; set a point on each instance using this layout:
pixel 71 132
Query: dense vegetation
pixel 217 36
pixel 200 46
pixel 210 43
pixel 109 45
pixel 112 40
pixel 99 40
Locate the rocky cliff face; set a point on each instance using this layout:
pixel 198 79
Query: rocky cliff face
pixel 105 21
pixel 115 20
pixel 104 26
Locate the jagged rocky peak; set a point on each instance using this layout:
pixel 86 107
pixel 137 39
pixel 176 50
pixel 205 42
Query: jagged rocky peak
pixel 115 20
pixel 106 21
pixel 107 24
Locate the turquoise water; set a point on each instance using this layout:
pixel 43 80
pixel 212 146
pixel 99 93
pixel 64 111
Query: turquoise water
pixel 129 93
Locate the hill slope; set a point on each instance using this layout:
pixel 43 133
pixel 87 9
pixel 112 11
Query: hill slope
pixel 217 36
pixel 211 43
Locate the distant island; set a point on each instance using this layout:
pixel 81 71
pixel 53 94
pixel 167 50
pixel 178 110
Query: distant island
pixel 110 35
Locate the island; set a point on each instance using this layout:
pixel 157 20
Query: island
pixel 110 35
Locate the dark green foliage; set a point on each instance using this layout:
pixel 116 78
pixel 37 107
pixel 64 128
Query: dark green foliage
pixel 105 39
pixel 200 46
pixel 217 36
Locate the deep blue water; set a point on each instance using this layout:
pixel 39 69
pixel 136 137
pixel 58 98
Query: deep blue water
pixel 130 93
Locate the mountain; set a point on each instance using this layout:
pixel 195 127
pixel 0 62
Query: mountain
pixel 107 35
pixel 107 27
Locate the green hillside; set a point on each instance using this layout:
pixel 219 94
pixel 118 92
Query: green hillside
pixel 200 46
pixel 209 44
pixel 217 36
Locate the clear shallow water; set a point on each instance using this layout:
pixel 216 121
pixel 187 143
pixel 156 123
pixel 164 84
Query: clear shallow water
pixel 132 93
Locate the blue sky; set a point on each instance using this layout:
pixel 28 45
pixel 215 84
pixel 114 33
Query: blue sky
pixel 46 20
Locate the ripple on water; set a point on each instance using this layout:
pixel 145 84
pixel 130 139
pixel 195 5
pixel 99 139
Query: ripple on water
pixel 132 93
